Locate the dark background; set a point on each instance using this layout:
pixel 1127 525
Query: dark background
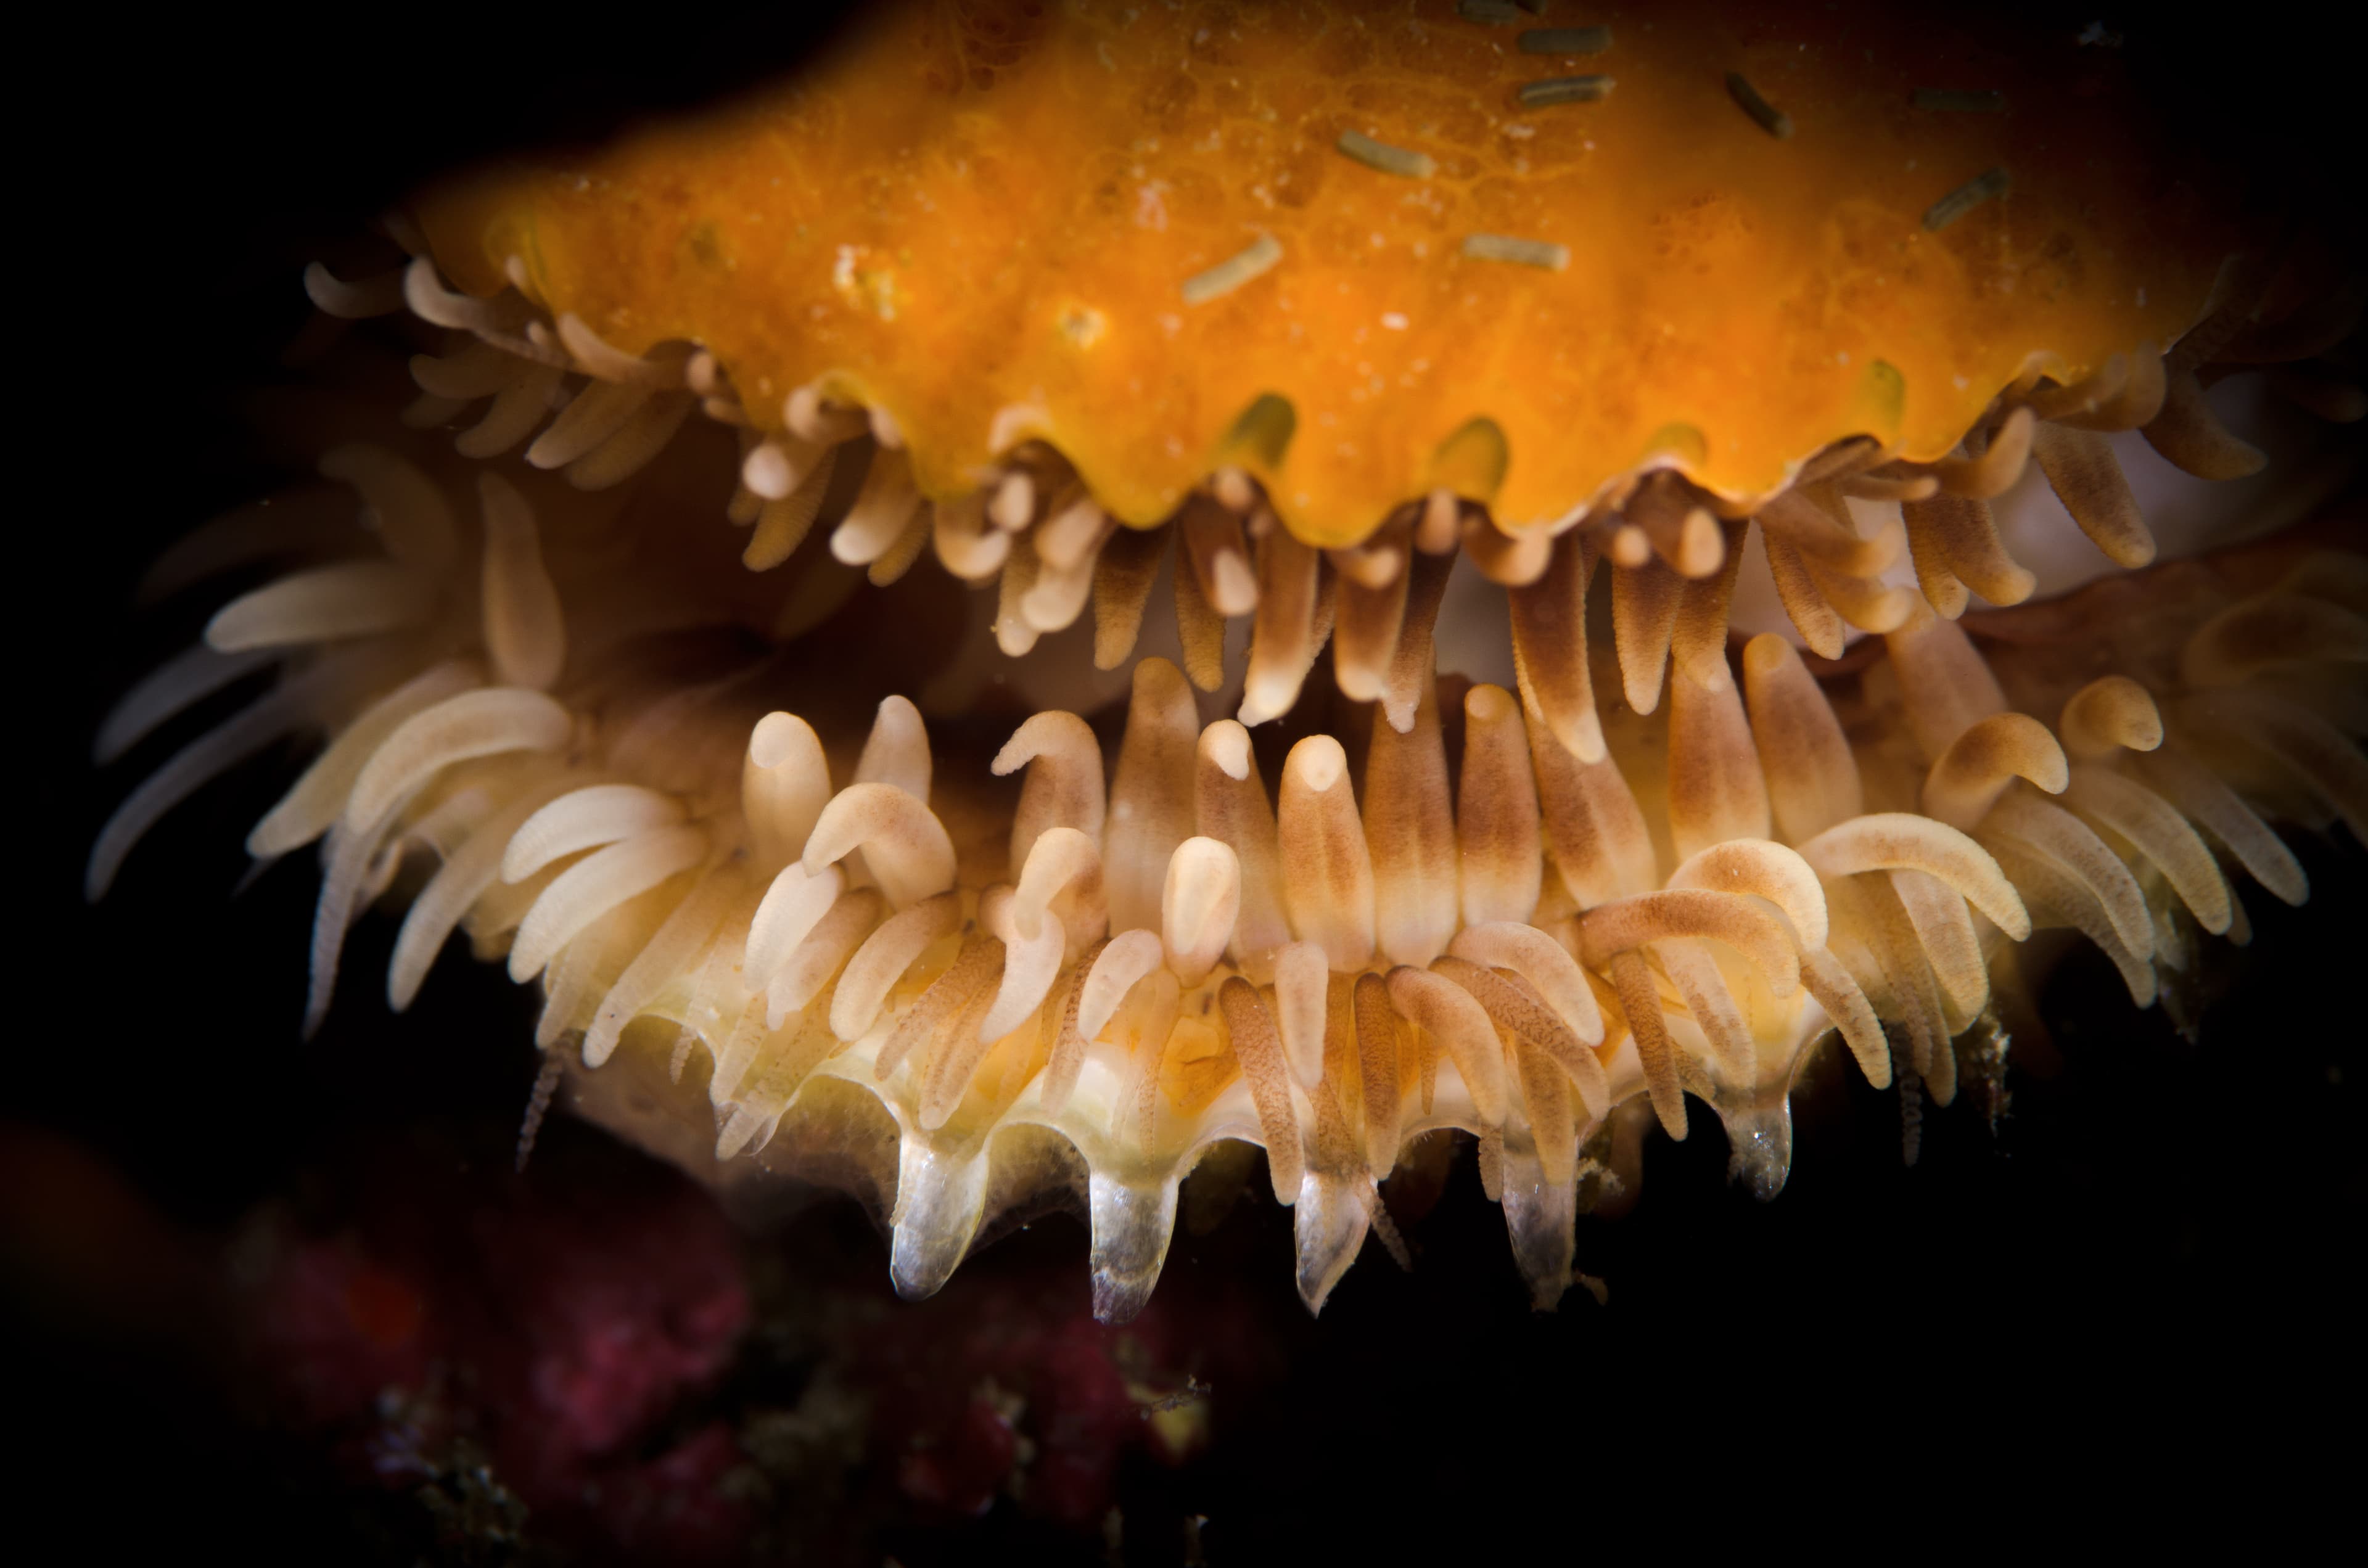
pixel 2150 1259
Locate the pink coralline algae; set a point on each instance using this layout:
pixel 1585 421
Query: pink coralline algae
pixel 1014 1389
pixel 554 1334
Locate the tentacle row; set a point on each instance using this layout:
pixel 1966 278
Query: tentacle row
pixel 1583 911
pixel 1031 531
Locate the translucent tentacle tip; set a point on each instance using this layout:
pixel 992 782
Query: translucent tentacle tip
pixel 1131 1226
pixel 1540 1219
pixel 939 1197
pixel 1330 1219
pixel 1759 1144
